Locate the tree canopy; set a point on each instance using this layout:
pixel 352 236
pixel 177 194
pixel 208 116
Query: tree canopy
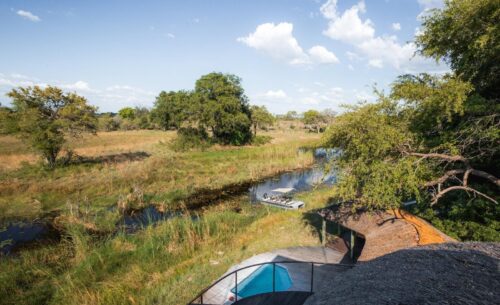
pixel 466 35
pixel 127 113
pixel 315 120
pixel 222 106
pixel 46 117
pixel 172 108
pixel 431 136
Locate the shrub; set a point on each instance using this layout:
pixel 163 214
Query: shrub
pixel 261 140
pixel 191 138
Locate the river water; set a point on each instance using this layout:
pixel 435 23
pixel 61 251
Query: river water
pixel 16 234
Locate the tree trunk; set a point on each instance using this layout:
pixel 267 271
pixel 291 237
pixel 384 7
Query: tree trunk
pixel 254 129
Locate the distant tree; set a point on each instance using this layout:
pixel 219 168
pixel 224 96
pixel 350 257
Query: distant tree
pixel 222 106
pixel 45 118
pixel 127 113
pixel 261 118
pixel 314 119
pixel 142 117
pixel 329 114
pixel 108 122
pixel 171 109
pixel 7 125
pixel 291 115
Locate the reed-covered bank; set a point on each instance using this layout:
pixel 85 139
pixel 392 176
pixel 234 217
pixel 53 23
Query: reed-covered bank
pixel 164 176
pixel 167 264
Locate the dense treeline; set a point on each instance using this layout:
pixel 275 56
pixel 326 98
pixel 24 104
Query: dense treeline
pixel 433 138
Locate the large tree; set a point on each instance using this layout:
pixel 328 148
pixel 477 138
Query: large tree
pixel 433 136
pixel 46 117
pixel 223 108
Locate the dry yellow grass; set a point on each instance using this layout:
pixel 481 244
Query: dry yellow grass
pixel 165 174
pixel 13 151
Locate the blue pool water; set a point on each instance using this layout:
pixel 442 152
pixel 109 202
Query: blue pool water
pixel 261 281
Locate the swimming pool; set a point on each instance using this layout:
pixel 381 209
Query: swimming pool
pixel 261 281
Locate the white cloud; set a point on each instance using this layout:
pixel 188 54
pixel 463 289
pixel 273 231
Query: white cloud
pixel 308 100
pixel 396 26
pixel 329 9
pixel 353 56
pixel 427 6
pixel 376 63
pixel 28 15
pixel 170 35
pixel 77 86
pixel 109 99
pixel 277 94
pixel 349 27
pixel 277 41
pixel 363 96
pixel 350 67
pixel 321 55
pixel 430 4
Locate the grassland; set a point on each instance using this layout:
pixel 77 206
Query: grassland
pixel 166 264
pixel 116 163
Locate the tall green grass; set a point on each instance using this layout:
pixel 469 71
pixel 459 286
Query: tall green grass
pixel 164 264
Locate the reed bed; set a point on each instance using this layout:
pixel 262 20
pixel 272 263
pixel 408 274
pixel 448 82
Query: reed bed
pixel 165 176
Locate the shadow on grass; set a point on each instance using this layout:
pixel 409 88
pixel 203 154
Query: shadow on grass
pixel 114 158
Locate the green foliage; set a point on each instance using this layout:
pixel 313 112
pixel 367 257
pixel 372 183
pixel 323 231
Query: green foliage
pixel 223 107
pixel 108 122
pixel 172 108
pixel 371 171
pixel 7 122
pixel 464 218
pixel 466 34
pixel 291 115
pixel 189 138
pixel 261 118
pixel 261 140
pixel 315 120
pixel 127 113
pixel 431 101
pixel 46 117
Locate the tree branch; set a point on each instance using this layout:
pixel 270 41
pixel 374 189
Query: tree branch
pixel 459 187
pixel 445 177
pixel 441 156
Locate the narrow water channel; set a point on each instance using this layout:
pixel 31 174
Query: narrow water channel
pixel 16 234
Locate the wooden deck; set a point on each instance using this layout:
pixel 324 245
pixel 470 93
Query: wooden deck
pixel 277 298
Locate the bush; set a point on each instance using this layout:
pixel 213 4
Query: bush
pixel 191 138
pixel 261 140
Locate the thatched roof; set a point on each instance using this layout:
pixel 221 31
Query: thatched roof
pixel 450 273
pixel 384 232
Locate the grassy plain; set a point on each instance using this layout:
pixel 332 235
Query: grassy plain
pixel 164 264
pixel 116 163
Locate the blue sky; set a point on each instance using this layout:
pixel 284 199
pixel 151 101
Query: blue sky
pixel 291 54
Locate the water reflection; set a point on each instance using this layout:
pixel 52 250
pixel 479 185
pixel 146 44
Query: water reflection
pixel 17 233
